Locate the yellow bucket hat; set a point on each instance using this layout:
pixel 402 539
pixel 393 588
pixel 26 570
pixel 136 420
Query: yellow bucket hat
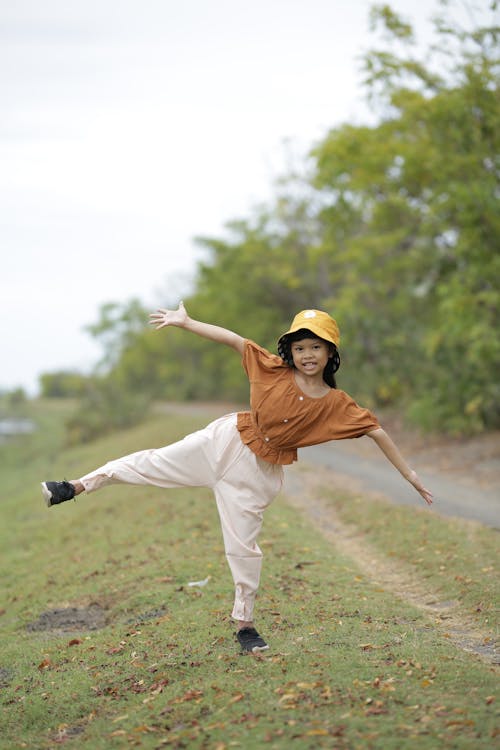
pixel 319 323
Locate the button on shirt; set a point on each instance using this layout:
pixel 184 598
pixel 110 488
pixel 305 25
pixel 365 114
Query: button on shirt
pixel 283 418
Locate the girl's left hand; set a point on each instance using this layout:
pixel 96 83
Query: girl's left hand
pixel 415 481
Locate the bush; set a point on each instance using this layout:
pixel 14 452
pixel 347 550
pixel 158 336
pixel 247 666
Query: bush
pixel 103 409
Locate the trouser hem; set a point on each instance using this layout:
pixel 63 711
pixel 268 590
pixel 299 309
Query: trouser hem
pixel 243 610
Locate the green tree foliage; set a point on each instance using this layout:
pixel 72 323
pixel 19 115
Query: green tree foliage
pixel 440 166
pixel 108 400
pixel 105 407
pixel 117 329
pixel 62 384
pixel 16 398
pixel 393 227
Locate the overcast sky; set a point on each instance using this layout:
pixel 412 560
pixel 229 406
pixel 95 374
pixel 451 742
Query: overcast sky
pixel 128 127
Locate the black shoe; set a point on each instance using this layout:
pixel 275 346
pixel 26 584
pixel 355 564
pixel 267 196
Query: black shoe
pixel 251 641
pixel 57 492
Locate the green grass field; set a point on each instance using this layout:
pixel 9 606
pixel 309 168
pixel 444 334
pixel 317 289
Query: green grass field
pixel 350 665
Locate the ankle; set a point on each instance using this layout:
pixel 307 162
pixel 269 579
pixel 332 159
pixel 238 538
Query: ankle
pixel 244 624
pixel 79 488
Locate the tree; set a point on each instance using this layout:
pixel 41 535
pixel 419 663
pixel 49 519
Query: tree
pixel 62 384
pixel 420 257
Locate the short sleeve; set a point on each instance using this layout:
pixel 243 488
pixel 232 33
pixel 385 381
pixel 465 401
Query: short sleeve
pixel 258 362
pixel 350 419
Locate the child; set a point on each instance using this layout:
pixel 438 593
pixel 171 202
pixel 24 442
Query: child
pixel 294 403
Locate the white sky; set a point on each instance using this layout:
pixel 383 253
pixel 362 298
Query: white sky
pixel 128 127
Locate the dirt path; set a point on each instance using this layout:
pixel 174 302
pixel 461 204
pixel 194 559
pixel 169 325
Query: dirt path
pixel 303 490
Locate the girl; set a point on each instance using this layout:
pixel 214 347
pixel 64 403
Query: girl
pixel 293 403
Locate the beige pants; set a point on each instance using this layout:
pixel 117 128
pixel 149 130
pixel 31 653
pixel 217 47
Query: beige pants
pixel 243 485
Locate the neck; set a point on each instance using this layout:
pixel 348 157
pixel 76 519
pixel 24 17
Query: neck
pixel 314 384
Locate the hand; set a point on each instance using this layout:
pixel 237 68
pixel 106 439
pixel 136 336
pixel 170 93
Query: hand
pixel 415 481
pixel 163 317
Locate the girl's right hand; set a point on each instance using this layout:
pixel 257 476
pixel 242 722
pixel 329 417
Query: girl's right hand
pixel 163 317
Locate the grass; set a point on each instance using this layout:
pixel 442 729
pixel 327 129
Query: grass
pixel 458 558
pixel 350 665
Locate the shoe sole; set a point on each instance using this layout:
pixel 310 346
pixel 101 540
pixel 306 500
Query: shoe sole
pixel 47 494
pixel 254 650
pixel 258 649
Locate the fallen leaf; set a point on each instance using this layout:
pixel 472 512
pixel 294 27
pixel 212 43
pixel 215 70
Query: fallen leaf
pixel 157 687
pixel 191 695
pixel 376 709
pixel 75 642
pixel 115 650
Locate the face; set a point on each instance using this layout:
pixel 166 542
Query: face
pixel 310 356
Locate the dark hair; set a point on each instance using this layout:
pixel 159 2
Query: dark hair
pixel 285 352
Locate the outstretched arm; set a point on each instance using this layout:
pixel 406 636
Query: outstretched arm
pixel 181 319
pixel 389 448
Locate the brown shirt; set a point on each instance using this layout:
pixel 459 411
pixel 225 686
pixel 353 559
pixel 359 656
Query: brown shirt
pixel 283 418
